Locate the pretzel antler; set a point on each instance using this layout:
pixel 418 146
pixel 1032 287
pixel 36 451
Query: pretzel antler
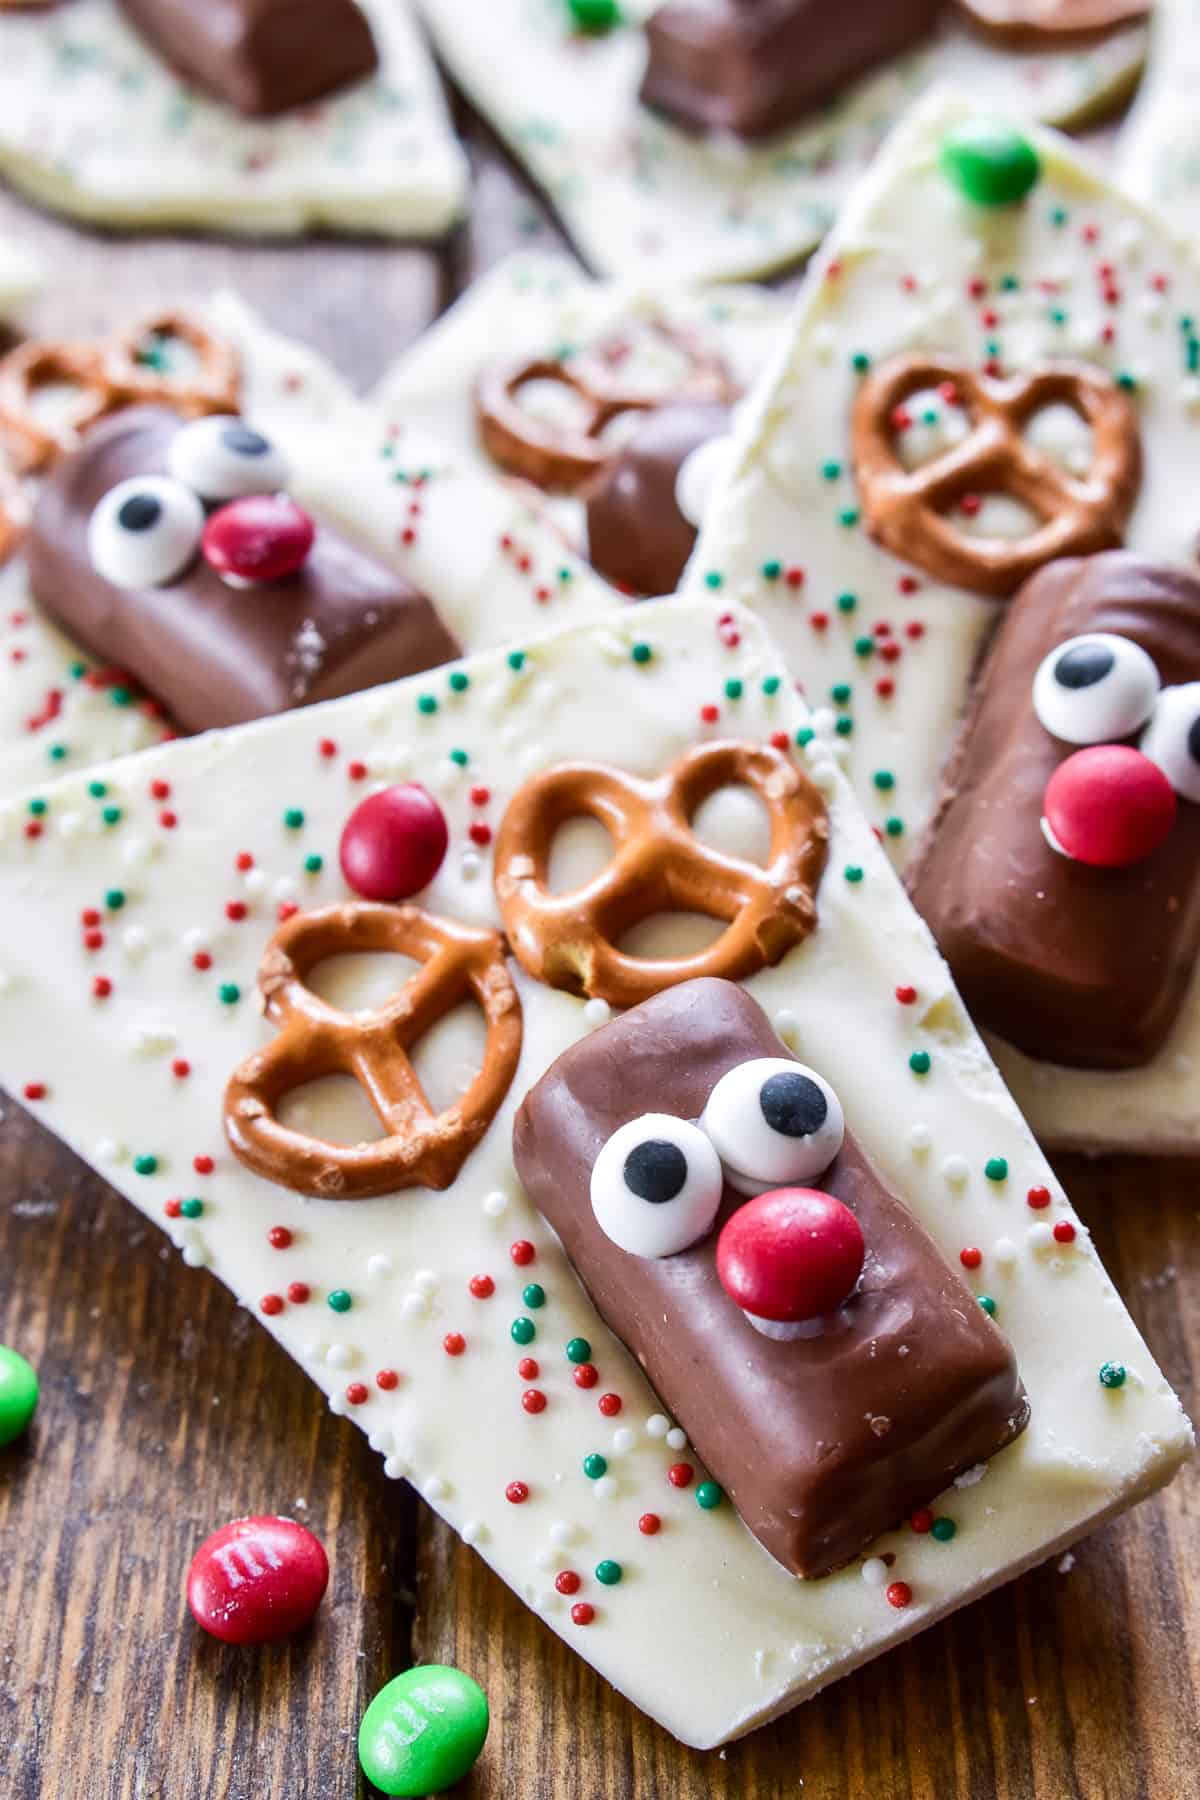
pixel 315 1039
pixel 659 865
pixel 905 509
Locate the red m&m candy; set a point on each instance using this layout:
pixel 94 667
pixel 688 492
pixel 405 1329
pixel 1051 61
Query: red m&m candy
pixel 1108 806
pixel 257 1580
pixel 260 538
pixel 790 1255
pixel 393 843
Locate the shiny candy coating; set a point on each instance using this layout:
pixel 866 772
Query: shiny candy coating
pixel 993 164
pixel 423 1731
pixel 790 1255
pixel 594 15
pixel 393 843
pixel 261 537
pixel 257 1580
pixel 1108 806
pixel 18 1394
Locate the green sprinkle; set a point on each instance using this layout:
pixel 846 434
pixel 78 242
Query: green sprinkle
pixel 996 1168
pixel 1059 216
pixel 943 1530
pixel 426 703
pixel 516 659
pixel 579 1350
pixel 840 693
pixel 114 899
pixel 733 688
pixel 460 758
pixel 1010 283
pixel 884 780
pixel 844 726
pixel 860 362
pixel 772 570
pixel 111 815
pixel 97 789
pixel 853 874
pixel 460 681
pixel 314 864
pixel 1112 1375
pixel 565 574
pixel 770 684
pixel 831 470
pixel 894 826
pixel 805 736
pixel 293 818
pixel 713 579
pixel 145 1165
pixel 848 516
pixel 78 671
pixel 920 1062
pixel 230 993
pixel 191 1209
pixel 1127 381
pixel 864 646
pixel 121 696
pixel 595 1465
pixel 523 1331
pixel 846 603
pixel 988 1305
pixel 534 1295
pixel 641 653
pixel 709 1496
pixel 58 752
pixel 1057 315
pixel 340 1301
pixel 37 808
pixel 609 1572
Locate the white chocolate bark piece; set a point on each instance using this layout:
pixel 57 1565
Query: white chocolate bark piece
pixel 133 1081
pixel 433 516
pixel 534 304
pixel 93 123
pixel 1158 151
pixel 1077 271
pixel 644 198
pixel 22 274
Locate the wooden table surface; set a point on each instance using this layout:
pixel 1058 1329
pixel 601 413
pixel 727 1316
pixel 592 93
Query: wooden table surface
pixel 165 1412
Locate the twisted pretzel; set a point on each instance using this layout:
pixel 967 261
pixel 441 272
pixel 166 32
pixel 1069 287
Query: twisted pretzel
pixel 659 865
pixel 211 387
pixel 33 441
pixel 904 508
pixel 14 515
pixel 423 1148
pixel 563 460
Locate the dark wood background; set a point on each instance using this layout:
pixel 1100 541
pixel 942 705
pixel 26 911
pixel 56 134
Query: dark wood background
pixel 166 1411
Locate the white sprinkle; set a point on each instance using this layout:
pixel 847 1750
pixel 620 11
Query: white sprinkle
pixel 69 824
pixel 1039 1236
pixel 474 1531
pixel 134 941
pixel 195 1256
pixel 380 1266
pixel 425 1282
pixel 436 1488
pixel 495 1205
pixel 286 888
pixel 109 1151
pixel 562 1533
pixel 394 1467
pixel 658 1425
pixel 596 1012
pixel 338 1404
pixel 414 1306
pixel 1066 1563
pixel 383 1442
pixel 919 1139
pixel 823 771
pixel 955 1170
pixel 341 1356
pixel 875 1571
pixel 1004 1251
pixel 622 1439
pixel 676 1439
pixel 136 852
pixel 787 1025
pixel 195 940
pixel 470 866
pixel 605 1488
pixel 257 881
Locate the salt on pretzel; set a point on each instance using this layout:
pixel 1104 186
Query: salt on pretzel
pixel 906 509
pixel 659 865
pixel 315 1039
pixel 563 459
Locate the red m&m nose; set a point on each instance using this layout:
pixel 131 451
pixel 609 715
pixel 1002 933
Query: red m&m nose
pixel 262 537
pixel 790 1255
pixel 393 843
pixel 257 1580
pixel 1108 806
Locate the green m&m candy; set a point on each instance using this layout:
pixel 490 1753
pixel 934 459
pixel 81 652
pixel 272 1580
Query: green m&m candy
pixel 18 1395
pixel 423 1731
pixel 594 15
pixel 990 161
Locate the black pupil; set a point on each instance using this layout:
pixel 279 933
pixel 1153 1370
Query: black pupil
pixel 139 512
pixel 1083 666
pixel 244 442
pixel 1194 740
pixel 656 1171
pixel 793 1105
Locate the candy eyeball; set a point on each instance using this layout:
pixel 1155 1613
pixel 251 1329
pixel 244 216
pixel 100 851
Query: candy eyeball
pixel 773 1123
pixel 145 531
pixel 1172 738
pixel 223 458
pixel 656 1185
pixel 1095 689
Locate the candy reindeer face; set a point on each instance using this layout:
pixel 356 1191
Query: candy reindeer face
pixel 809 1337
pixel 1060 876
pixel 172 551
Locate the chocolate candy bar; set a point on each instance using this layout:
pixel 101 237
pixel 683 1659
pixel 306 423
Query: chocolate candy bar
pixel 1056 941
pixel 260 56
pixel 644 510
pixel 214 653
pixel 824 1440
pixel 754 66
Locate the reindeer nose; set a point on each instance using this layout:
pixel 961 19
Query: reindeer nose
pixel 789 1257
pixel 262 537
pixel 1108 806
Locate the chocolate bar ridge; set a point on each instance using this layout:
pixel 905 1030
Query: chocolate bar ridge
pixel 821 1443
pixel 213 654
pixel 1082 966
pixel 260 56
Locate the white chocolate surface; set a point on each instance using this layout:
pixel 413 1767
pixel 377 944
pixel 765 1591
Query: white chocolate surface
pixel 746 1639
pixel 22 275
pixel 644 198
pixel 896 276
pixel 93 123
pixel 1158 151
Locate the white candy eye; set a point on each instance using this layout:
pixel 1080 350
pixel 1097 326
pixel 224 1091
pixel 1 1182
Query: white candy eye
pixel 656 1185
pixel 1095 689
pixel 1172 738
pixel 223 458
pixel 773 1123
pixel 145 531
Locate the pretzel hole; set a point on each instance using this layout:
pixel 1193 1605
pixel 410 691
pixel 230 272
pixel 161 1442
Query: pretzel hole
pixel 646 362
pixel 168 354
pixel 552 402
pixel 734 821
pixel 447 1058
pixel 580 850
pixel 58 404
pixel 361 980
pixel 930 422
pixel 994 517
pixel 1061 434
pixel 333 1108
pixel 665 935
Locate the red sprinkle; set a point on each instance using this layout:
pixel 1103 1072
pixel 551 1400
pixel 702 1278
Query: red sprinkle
pixel 610 1405
pixel 1064 1232
pixel 582 1613
pixel 906 995
pixel 181 1068
pixel 480 796
pixel 327 748
pixel 35 1090
pixel 102 987
pixel 387 1379
pixel 709 714
pixel 271 1304
pixel 527 1368
pixel 681 1475
pixel 522 1252
pixel 899 1594
pixel 299 1292
pixel 922 1520
pixel 173 1207
pixel 517 1492
pixel 533 1400
pixel 203 1165
pixel 482 1286
pixel 649 1524
pixel 357 1393
pixel 279 1237
pixel 586 1375
pixel 93 940
pixel 970 1258
pixel 357 771
pixel 454 1343
pixel 1038 1197
pixel 202 960
pixel 480 832
pixel 567 1582
pixel 235 910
